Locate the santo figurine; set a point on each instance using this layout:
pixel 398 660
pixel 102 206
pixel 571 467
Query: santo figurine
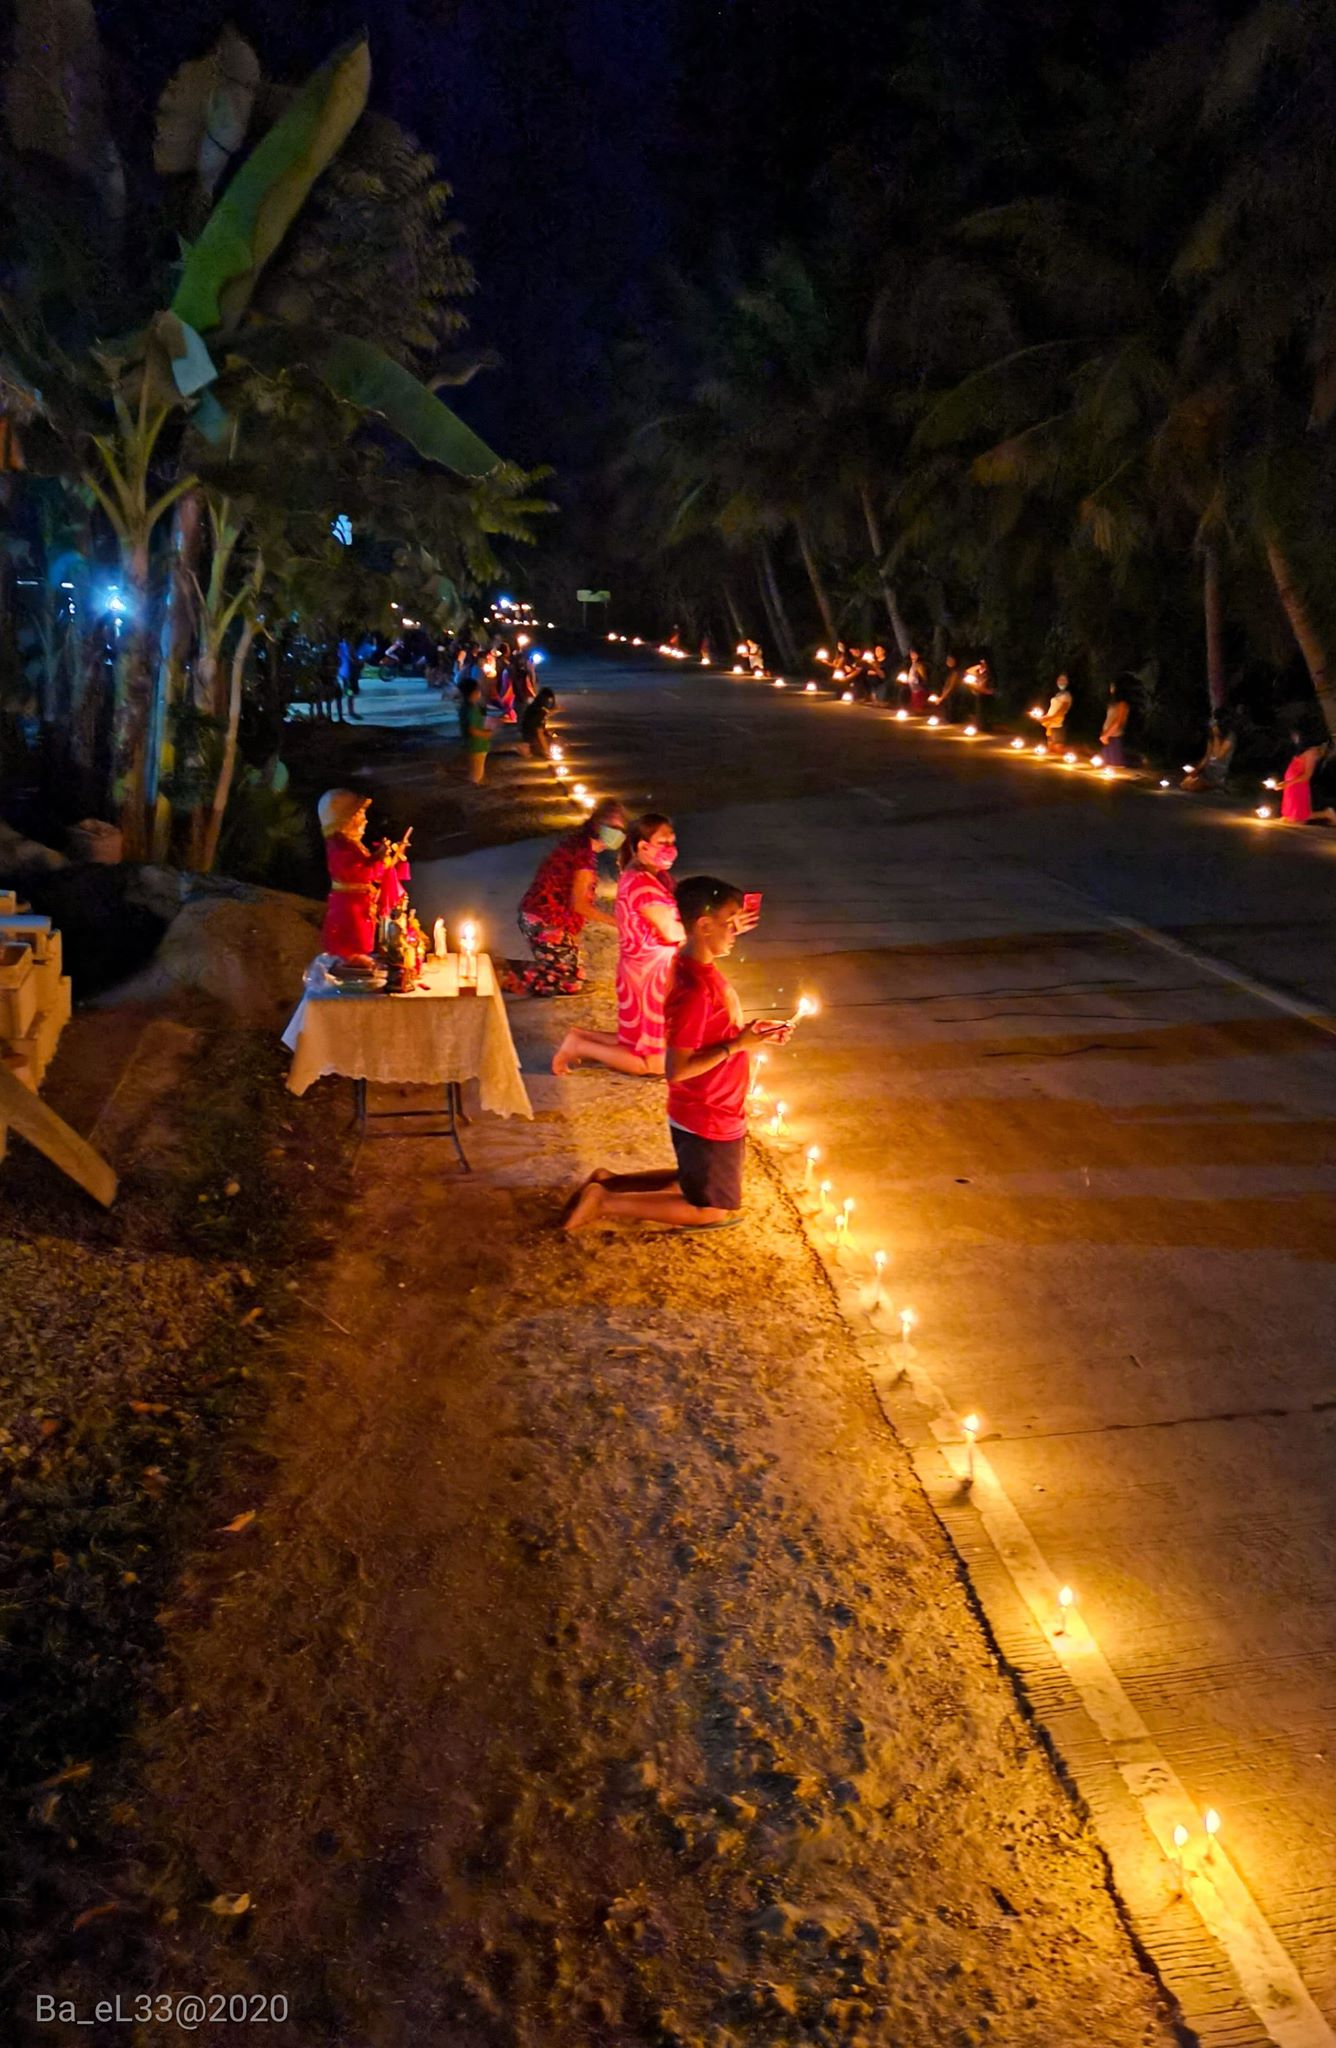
pixel 365 883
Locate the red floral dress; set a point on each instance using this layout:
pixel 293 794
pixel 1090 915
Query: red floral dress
pixel 549 920
pixel 644 961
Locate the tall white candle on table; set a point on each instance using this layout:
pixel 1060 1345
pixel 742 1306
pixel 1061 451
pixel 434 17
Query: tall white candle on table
pixel 468 954
pixel 438 938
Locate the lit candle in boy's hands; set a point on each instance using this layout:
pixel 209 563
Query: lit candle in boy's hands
pixel 807 1007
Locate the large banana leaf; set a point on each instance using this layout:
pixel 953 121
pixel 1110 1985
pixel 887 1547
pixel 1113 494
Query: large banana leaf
pixel 256 210
pixel 205 110
pixel 364 376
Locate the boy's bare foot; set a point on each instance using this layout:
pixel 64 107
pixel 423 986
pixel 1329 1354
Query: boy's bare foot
pixel 600 1174
pixel 588 1206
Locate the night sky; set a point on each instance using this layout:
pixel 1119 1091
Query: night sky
pixel 591 144
pixel 594 144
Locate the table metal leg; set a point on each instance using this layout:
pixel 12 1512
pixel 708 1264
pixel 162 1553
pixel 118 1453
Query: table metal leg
pixel 373 1123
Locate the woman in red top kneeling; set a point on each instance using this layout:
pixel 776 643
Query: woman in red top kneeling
pixel 559 902
pixel 709 1072
pixel 364 882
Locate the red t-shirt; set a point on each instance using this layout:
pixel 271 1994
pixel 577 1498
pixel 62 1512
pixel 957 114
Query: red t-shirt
pixel 701 1009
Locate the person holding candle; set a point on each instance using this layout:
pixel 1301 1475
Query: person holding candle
pixel 1296 803
pixel 1054 720
pixel 364 882
pixel 916 682
pixel 708 1065
pixel 533 725
pixel 649 933
pixel 1112 741
pixel 1212 771
pixel 559 901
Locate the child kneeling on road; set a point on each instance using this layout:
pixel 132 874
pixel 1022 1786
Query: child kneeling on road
pixel 709 1071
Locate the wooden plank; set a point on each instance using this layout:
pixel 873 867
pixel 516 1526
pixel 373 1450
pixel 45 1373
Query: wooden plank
pixel 26 1113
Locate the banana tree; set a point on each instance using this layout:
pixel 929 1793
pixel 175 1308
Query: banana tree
pixel 122 480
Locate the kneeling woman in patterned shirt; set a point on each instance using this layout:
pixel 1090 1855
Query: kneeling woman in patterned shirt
pixel 649 932
pixel 559 901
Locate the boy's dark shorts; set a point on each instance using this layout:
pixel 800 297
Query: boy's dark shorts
pixel 709 1170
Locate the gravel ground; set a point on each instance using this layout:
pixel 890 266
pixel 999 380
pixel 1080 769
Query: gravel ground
pixel 594 1671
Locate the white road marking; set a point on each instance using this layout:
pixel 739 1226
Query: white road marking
pixel 1278 1000
pixel 1267 1975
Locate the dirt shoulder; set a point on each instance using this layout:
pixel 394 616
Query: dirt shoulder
pixel 593 1670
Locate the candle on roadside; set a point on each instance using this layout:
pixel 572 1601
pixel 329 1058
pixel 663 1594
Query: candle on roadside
pixel 1018 745
pixel 778 1127
pixel 970 1425
pixel 907 1322
pixel 1211 1823
pixel 879 1267
pixel 1066 1602
pixel 809 1170
pixel 1180 1839
pixel 824 1191
pixel 901 716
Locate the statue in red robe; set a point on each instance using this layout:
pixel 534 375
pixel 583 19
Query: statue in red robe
pixel 365 882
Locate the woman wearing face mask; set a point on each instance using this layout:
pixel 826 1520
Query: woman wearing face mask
pixel 649 933
pixel 559 901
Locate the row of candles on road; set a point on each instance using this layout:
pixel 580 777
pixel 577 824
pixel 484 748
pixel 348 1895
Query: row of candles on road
pixel 577 791
pixel 821 1192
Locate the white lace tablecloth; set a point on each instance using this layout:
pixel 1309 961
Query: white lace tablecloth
pixel 431 1035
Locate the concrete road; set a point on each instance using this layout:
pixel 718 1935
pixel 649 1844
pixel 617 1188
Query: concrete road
pixel 1074 1066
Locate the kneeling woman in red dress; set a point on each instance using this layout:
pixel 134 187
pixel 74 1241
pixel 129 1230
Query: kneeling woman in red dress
pixel 364 882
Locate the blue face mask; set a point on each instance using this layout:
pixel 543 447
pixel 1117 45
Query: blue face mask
pixel 610 836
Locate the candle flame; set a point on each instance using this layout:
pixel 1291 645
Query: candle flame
pixel 1066 1598
pixel 1180 1837
pixel 1263 810
pixel 1097 760
pixel 1016 743
pixel 879 1260
pixel 1212 1822
pixel 849 1205
pixel 901 716
pixel 934 720
pixel 971 731
pixel 814 1153
pixel 970 1425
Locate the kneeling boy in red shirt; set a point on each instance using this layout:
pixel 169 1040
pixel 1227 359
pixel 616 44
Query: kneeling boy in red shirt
pixel 709 1071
